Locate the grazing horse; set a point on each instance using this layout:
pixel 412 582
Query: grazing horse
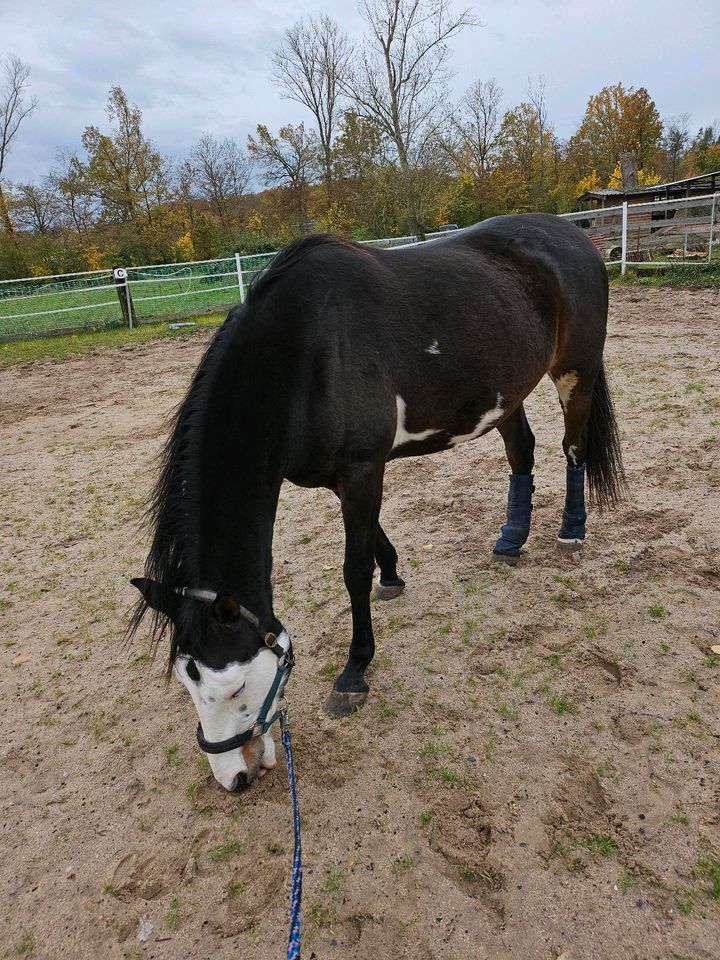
pixel 341 359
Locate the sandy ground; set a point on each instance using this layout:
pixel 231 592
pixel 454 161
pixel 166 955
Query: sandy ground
pixel 535 774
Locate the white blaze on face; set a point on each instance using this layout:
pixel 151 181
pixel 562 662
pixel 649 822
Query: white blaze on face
pixel 228 702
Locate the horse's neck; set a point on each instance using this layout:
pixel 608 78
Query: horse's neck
pixel 236 541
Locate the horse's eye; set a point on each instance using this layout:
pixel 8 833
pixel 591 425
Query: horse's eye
pixel 193 671
pixel 237 692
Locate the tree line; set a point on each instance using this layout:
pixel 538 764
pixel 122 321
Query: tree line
pixel 384 151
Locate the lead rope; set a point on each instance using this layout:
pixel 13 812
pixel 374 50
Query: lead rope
pixel 294 939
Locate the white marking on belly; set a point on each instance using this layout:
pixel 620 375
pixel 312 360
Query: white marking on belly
pixel 433 349
pixel 484 424
pixel 565 386
pixel 571 454
pixel 401 433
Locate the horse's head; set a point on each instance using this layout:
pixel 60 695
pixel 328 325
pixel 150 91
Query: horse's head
pixel 235 672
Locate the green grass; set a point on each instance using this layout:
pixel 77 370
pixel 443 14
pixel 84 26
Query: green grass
pixel 57 348
pixel 645 275
pixel 226 851
pixel 657 611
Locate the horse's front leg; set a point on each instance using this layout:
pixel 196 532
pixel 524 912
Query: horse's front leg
pixel 360 490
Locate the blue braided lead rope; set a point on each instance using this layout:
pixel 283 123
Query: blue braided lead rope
pixel 293 951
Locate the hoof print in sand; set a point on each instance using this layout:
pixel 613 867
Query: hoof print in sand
pixel 460 830
pixel 144 878
pixel 251 893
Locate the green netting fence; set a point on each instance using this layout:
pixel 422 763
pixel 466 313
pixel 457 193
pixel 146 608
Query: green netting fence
pixel 99 299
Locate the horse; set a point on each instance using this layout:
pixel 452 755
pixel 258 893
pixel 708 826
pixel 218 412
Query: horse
pixel 341 359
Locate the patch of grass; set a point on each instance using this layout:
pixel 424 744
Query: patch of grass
pixel 708 870
pixel 414 562
pixel 174 914
pixel 657 611
pixel 679 818
pixel 599 845
pixel 110 889
pixel 24 948
pixel 425 818
pixel 506 711
pixel 172 758
pixel 329 670
pixel 58 348
pixel 568 582
pixel 226 851
pixel 562 705
pixel 396 621
pixel 485 875
pixel 627 880
pixel 321 916
pixel 402 865
pixel 334 879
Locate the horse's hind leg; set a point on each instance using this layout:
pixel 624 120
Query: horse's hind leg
pixel 360 492
pixel 575 391
pixel 388 585
pixel 520 449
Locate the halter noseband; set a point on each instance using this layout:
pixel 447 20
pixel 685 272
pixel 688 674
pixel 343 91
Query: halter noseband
pixel 286 662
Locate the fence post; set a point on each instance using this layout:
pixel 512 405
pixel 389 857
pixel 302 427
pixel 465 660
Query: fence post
pixel 238 267
pixel 120 276
pixel 623 255
pixel 712 225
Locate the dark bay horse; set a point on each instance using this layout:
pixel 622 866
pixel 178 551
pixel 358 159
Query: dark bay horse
pixel 341 359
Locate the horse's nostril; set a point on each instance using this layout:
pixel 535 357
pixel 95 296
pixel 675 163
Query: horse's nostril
pixel 241 782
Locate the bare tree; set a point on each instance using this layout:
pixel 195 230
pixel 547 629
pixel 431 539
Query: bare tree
pixel 536 99
pixel 475 128
pixel 219 173
pixel 676 137
pixel 310 67
pixel 36 207
pixel 401 75
pixel 289 160
pixel 15 106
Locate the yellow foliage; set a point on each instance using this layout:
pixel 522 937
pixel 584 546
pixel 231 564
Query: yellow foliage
pixel 184 247
pixel 615 180
pixel 255 222
pixel 646 178
pixel 93 257
pixel 591 182
pixel 336 219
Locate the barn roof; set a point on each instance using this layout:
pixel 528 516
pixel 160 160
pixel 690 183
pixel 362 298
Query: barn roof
pixel 671 186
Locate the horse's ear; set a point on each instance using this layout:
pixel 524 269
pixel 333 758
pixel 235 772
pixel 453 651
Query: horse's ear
pixel 226 609
pixel 155 596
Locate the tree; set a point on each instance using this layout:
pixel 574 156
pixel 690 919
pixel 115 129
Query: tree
pixel 675 140
pixel 219 172
pixel 475 129
pixel 289 160
pixel 127 174
pixel 36 206
pixel 15 106
pixel 400 78
pixel 77 202
pixel 618 121
pixel 310 66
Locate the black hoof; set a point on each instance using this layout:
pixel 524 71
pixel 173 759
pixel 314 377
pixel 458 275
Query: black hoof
pixel 388 591
pixel 569 545
pixel 343 704
pixel 510 558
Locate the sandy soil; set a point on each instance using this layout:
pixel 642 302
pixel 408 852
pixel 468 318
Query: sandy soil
pixel 535 774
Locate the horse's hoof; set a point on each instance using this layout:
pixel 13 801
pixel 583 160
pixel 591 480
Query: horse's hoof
pixel 388 591
pixel 569 545
pixel 510 558
pixel 340 704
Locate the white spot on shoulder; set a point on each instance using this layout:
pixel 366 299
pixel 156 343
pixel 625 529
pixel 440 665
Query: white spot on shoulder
pixel 565 386
pixel 402 435
pixel 486 421
pixel 433 349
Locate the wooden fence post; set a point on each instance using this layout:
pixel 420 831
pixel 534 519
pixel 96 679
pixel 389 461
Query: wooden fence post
pixel 123 291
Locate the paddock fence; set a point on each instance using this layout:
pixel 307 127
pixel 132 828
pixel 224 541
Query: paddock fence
pixel 100 299
pixel 661 233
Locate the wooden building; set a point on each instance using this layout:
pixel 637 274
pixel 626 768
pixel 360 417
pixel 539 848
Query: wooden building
pixel 699 186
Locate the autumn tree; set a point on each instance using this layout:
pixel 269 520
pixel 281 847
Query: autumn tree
pixel 675 140
pixel 400 79
pixel 74 192
pixel 474 130
pixel 289 160
pixel 310 66
pixel 36 207
pixel 126 173
pixel 618 120
pixel 16 105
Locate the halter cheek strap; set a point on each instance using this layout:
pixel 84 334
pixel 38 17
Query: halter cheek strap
pixel 263 722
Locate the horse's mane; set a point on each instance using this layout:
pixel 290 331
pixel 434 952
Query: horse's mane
pixel 172 559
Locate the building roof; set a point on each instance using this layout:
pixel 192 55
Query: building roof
pixel 648 188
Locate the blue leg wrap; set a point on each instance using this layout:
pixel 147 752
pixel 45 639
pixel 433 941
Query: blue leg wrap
pixel 515 532
pixel 574 515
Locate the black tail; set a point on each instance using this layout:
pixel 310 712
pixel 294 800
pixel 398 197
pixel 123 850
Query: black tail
pixel 606 475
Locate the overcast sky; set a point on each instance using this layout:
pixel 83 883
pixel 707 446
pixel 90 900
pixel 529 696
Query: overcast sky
pixel 197 67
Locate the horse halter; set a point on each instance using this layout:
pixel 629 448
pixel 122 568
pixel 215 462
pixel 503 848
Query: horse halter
pixel 286 661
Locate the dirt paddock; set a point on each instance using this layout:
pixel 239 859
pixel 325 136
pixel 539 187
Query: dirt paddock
pixel 536 771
